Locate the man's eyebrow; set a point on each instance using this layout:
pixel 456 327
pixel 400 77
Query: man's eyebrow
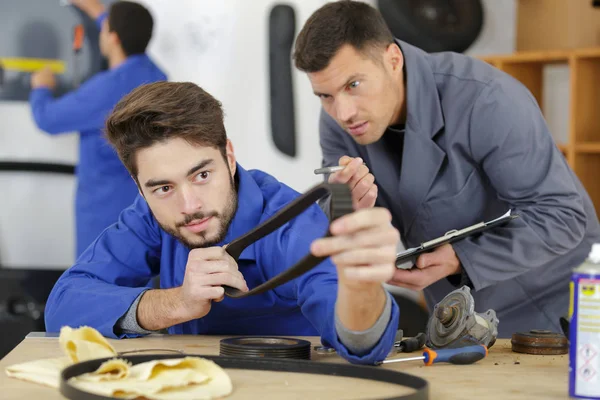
pixel 351 79
pixel 152 183
pixel 163 182
pixel 199 166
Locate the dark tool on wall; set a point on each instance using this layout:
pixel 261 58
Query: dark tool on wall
pixel 78 38
pixel 402 380
pixel 341 204
pixel 451 237
pixel 459 356
pixel 37 167
pixel 434 25
pixel 539 342
pixel 271 347
pixel 454 322
pixel 282 29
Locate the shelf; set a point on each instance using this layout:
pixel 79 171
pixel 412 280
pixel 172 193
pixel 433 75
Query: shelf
pixel 587 53
pixel 563 148
pixel 587 147
pixel 544 57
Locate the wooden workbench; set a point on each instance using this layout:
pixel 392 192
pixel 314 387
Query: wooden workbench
pixel 502 375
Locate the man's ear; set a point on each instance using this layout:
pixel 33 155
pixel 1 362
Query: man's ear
pixel 230 157
pixel 394 58
pixel 137 182
pixel 114 39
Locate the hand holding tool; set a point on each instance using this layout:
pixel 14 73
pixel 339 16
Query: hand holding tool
pixel 461 356
pixel 330 170
pixel 78 38
pixel 408 256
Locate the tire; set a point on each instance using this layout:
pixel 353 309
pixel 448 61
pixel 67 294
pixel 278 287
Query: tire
pixel 434 25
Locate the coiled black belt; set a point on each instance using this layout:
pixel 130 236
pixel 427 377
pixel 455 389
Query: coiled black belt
pixel 341 204
pixel 260 364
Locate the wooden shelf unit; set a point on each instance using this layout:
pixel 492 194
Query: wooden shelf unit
pixel 582 148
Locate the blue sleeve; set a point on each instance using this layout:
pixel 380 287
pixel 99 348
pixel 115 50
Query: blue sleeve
pixel 82 109
pixel 100 19
pixel 109 275
pixel 316 291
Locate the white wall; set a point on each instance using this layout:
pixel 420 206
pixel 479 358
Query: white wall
pixel 36 210
pixel 223 47
pixel 499 28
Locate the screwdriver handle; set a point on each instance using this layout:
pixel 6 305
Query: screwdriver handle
pixel 461 355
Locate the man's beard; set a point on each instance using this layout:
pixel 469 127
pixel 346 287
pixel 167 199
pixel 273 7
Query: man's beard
pixel 224 219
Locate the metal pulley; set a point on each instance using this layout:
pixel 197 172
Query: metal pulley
pixel 540 342
pixel 271 347
pixel 454 322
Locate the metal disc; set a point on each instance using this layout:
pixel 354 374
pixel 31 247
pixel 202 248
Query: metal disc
pixel 540 342
pixel 439 335
pixel 272 347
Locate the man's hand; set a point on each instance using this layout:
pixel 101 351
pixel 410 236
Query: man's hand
pixel 43 78
pixel 363 249
pixel 431 267
pixel 206 272
pixel 93 8
pixel 360 181
pixel 363 246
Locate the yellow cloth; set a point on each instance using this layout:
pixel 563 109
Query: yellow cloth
pixel 80 344
pixel 84 344
pixel 177 378
pixel 45 372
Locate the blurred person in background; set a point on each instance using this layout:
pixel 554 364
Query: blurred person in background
pixel 104 187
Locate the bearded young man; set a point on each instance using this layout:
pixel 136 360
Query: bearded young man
pixel 194 200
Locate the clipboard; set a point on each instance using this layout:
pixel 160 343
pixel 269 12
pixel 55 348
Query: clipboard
pixel 450 237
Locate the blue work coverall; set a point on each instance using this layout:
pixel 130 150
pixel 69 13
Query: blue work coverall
pixel 109 276
pixel 104 187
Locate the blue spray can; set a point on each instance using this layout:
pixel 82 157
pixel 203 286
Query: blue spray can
pixel 584 329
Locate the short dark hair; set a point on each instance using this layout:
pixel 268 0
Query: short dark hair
pixel 133 24
pixel 156 112
pixel 335 25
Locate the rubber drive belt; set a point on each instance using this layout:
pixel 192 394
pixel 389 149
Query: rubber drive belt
pixel 419 385
pixel 341 204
